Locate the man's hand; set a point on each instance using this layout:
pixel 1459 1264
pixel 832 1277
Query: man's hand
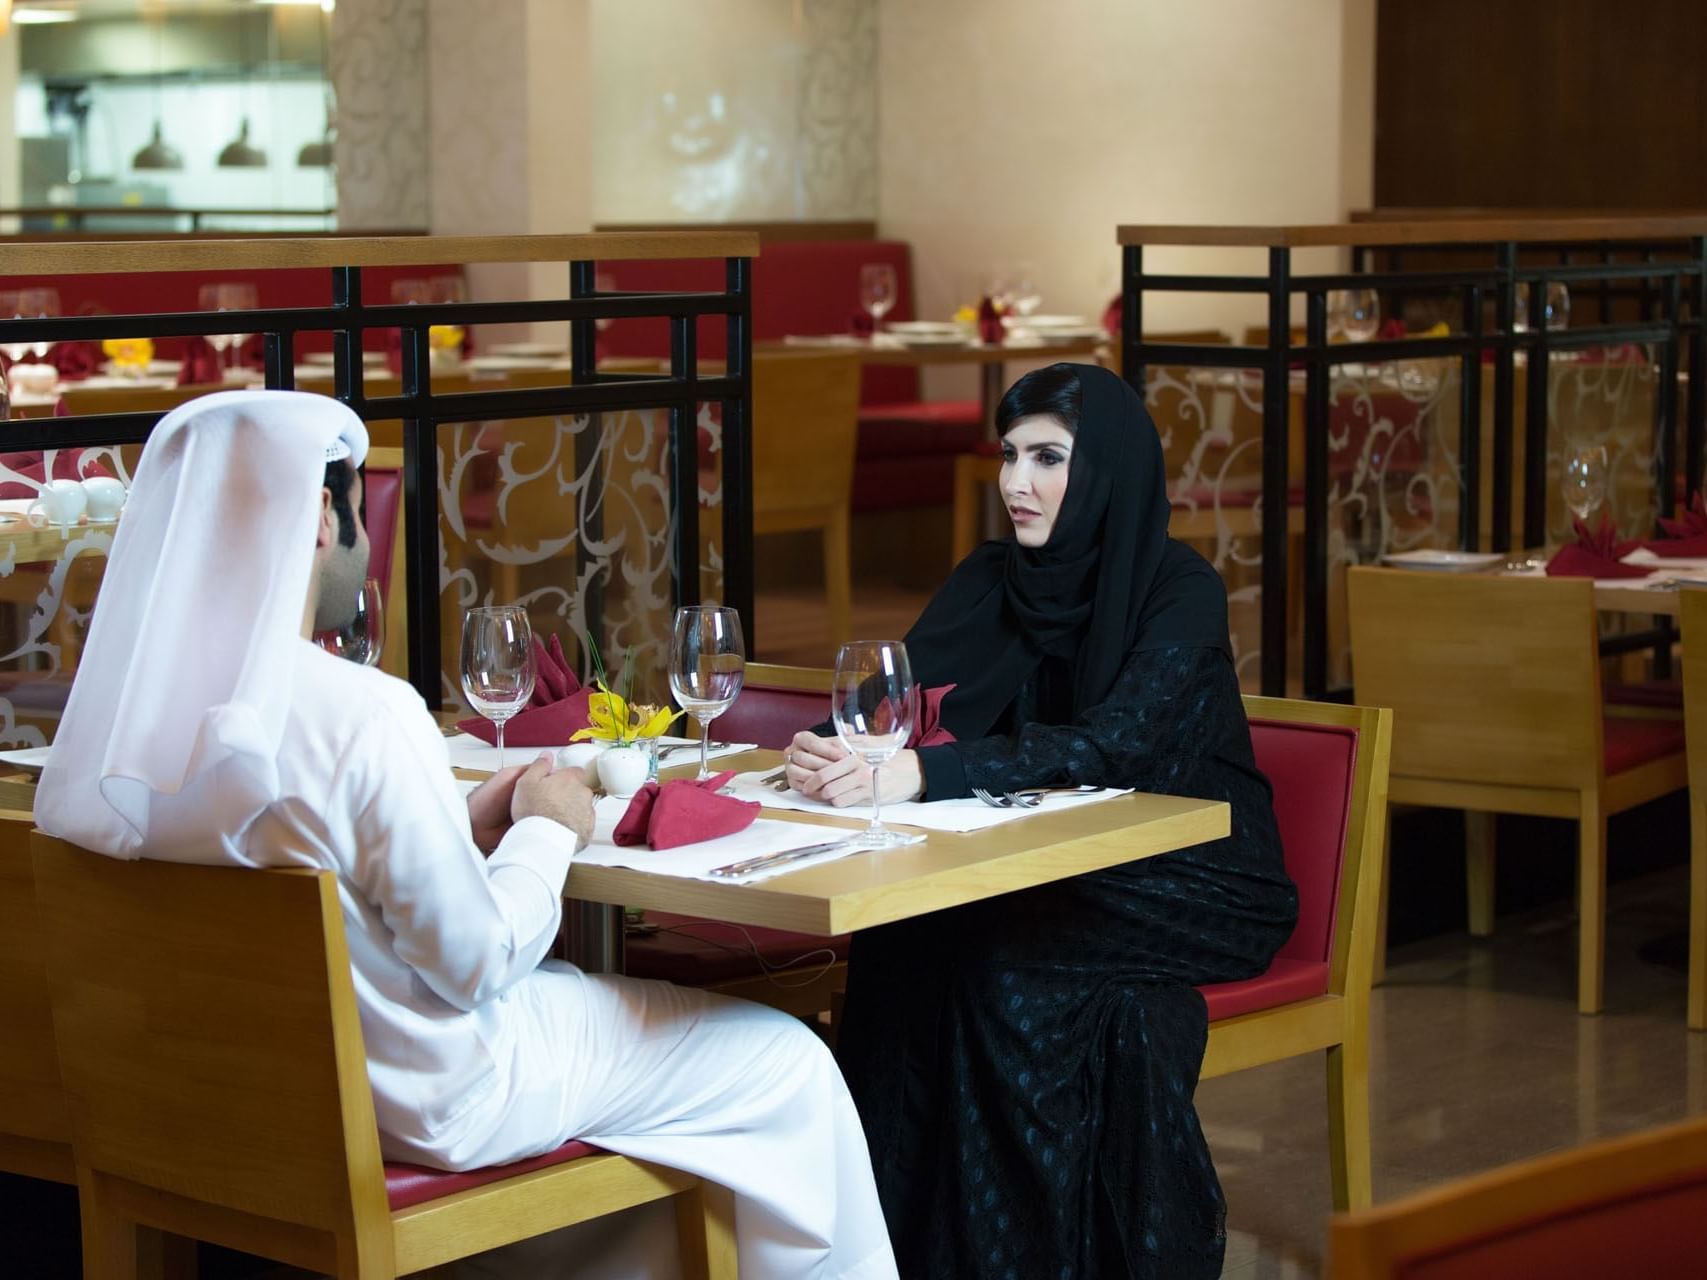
pixel 824 769
pixel 489 807
pixel 559 794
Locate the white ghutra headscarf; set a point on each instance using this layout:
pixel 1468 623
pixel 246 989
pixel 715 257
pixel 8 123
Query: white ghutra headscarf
pixel 170 740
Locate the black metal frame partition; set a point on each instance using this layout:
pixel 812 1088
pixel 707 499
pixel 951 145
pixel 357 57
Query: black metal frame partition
pixel 1662 259
pixel 679 391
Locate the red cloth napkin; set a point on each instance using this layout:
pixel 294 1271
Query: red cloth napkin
pixel 556 712
pixel 990 328
pixel 74 360
pixel 683 812
pixel 202 364
pixel 928 730
pixel 1686 537
pixel 861 325
pixel 1596 554
pixel 1113 316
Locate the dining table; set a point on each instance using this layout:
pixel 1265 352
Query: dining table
pixel 873 887
pixel 991 358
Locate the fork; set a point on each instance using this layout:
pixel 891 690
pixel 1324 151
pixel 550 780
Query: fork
pixel 688 746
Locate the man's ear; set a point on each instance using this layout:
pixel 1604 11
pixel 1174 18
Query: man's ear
pixel 327 533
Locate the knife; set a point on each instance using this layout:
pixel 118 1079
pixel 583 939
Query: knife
pixel 764 861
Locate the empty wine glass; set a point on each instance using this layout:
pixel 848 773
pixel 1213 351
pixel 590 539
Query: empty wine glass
pixel 363 637
pixel 1024 296
pixel 708 664
pixel 1556 308
pixel 228 295
pixel 873 705
pixel 1584 479
pixel 877 290
pixel 10 309
pixel 1355 314
pixel 497 664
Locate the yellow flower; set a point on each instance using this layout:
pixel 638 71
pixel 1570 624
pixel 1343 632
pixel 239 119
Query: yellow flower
pixel 608 715
pixel 444 337
pixel 129 352
pixel 650 722
pixel 966 315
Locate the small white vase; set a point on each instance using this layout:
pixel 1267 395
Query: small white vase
pixel 623 770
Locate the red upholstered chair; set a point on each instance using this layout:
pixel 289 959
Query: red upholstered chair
pixel 1633 1206
pixel 1328 767
pixel 795 972
pixel 1494 683
pixel 217 1087
pixel 382 492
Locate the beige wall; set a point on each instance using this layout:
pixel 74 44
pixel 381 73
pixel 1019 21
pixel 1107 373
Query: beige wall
pixel 1013 131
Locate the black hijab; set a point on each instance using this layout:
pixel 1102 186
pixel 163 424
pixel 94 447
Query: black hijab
pixel 1108 581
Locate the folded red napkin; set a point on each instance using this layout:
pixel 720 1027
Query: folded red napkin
pixel 556 712
pixel 202 364
pixel 1113 316
pixel 683 812
pixel 1686 537
pixel 861 325
pixel 1596 554
pixel 74 360
pixel 928 730
pixel 991 331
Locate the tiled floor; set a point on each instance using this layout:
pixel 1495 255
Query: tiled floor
pixel 1478 1058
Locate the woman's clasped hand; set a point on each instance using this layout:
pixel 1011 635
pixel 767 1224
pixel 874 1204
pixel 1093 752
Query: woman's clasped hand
pixel 824 769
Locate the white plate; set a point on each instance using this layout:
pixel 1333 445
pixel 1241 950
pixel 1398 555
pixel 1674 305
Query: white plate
pixel 327 357
pixel 538 350
pixel 915 327
pixel 1047 322
pixel 501 364
pixel 932 340
pixel 1445 561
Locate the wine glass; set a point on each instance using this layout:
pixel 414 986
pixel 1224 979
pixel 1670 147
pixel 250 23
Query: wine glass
pixel 707 666
pixel 1354 313
pixel 877 290
pixel 873 705
pixel 497 664
pixel 10 309
pixel 1584 480
pixel 38 303
pixel 1024 296
pixel 1555 308
pixel 228 295
pixel 363 637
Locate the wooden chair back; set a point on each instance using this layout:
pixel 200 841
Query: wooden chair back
pixel 777 702
pixel 1632 1206
pixel 210 1048
pixel 35 1135
pixel 1492 680
pixel 386 562
pixel 1693 617
pixel 805 424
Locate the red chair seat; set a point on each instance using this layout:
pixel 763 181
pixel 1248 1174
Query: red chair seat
pixel 410 1184
pixel 913 438
pixel 1666 694
pixel 694 952
pixel 1284 982
pixel 1635 742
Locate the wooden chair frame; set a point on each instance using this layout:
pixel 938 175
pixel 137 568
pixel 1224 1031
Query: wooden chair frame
pixel 1337 1021
pixel 1694 619
pixel 217 1084
pixel 1570 780
pixel 1379 1243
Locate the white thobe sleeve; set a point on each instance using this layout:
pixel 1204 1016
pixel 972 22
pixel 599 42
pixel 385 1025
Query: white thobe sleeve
pixel 468 925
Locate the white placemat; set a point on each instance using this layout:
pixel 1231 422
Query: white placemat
pixel 970 814
pixel 695 861
pixel 1659 580
pixel 469 752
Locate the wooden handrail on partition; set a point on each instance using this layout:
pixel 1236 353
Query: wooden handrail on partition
pixel 93 257
pixel 1488 230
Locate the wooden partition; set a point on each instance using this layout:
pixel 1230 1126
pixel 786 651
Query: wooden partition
pixel 439 412
pixel 1394 429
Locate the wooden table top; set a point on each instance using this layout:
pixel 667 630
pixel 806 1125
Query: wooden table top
pixel 948 869
pixel 914 357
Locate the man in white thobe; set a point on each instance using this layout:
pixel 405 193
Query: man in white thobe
pixel 205 726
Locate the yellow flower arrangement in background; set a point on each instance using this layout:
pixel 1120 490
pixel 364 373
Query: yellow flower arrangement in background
pixel 445 337
pixel 129 355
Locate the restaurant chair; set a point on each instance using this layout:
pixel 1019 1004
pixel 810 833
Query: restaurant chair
pixel 35 1131
pixel 217 1087
pixel 1694 619
pixel 805 424
pixel 1328 766
pixel 1494 684
pixel 799 973
pixel 1631 1206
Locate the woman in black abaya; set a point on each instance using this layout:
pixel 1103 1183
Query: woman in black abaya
pixel 1024 1066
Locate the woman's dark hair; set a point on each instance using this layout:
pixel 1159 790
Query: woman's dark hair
pixel 1054 391
pixel 340 479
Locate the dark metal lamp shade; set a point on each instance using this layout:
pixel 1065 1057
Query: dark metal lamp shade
pixel 158 154
pixel 240 153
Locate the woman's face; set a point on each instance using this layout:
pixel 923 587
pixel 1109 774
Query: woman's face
pixel 1036 455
